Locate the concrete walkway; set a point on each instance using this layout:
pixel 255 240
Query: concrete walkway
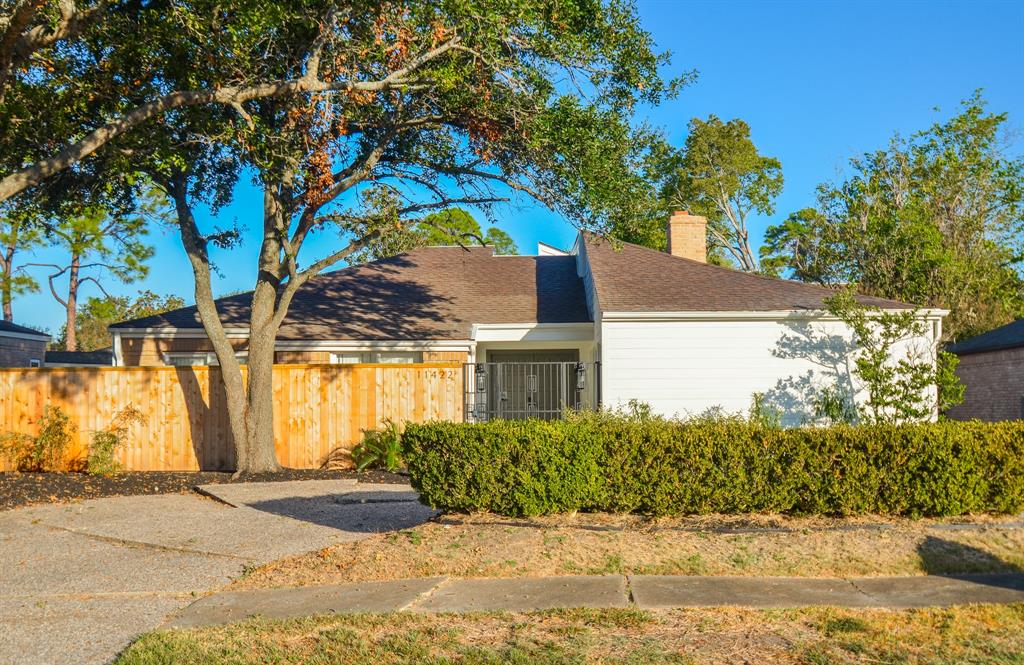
pixel 642 591
pixel 80 581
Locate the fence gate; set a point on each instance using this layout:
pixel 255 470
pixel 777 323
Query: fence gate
pixel 520 390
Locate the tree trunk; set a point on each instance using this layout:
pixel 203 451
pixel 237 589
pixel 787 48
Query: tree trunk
pixel 6 293
pixel 230 369
pixel 71 306
pixel 260 455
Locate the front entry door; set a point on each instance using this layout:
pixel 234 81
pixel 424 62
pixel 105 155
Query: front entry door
pixel 532 384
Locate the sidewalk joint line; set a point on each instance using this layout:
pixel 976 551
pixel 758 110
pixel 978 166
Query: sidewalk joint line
pixel 142 544
pixel 426 594
pixel 630 598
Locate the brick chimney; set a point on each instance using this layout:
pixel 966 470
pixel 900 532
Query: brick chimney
pixel 687 236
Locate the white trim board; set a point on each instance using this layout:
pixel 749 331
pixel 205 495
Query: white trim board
pixel 772 315
pixel 38 337
pixel 174 333
pixel 533 332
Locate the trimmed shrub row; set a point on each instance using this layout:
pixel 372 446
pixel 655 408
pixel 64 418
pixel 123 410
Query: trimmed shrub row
pixel 620 465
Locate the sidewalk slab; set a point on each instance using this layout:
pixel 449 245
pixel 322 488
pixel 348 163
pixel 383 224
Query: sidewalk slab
pixel 663 591
pixel 937 590
pixel 233 606
pixel 526 594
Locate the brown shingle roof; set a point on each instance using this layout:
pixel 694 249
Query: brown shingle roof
pixel 429 293
pixel 631 278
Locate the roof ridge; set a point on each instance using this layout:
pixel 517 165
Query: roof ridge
pixel 735 272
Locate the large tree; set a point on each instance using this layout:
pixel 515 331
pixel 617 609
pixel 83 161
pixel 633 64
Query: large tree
pixel 936 219
pixel 78 75
pixel 465 102
pixel 93 246
pixel 724 178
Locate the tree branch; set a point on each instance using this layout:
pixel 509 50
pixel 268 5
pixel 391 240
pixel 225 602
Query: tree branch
pixel 21 180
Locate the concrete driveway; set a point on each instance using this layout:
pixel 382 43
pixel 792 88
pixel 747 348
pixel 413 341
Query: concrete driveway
pixel 80 581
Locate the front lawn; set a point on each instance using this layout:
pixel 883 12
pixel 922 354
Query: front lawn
pixel 993 634
pixel 491 546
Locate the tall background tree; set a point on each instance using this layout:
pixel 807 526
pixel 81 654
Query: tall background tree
pixel 936 219
pixel 95 245
pixel 457 103
pixel 723 177
pixel 19 235
pixel 99 312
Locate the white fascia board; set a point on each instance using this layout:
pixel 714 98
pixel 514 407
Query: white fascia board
pixel 376 345
pixel 39 337
pixel 533 332
pixel 773 315
pixel 544 249
pixel 115 345
pixel 174 333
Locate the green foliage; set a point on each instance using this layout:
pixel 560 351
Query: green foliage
pixel 936 219
pixel 903 384
pixel 833 407
pixel 664 467
pixel 454 226
pixel 723 177
pixel 100 460
pixel 96 314
pixel 762 413
pixel 380 448
pixel 46 450
pixel 18 235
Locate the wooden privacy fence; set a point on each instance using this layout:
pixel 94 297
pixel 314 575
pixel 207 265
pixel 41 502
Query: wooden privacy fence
pixel 319 410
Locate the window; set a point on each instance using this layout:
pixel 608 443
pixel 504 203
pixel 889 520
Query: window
pixel 35 362
pixel 344 358
pixel 189 359
pixel 200 358
pixel 389 357
pixel 398 358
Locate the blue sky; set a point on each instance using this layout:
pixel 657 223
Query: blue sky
pixel 817 82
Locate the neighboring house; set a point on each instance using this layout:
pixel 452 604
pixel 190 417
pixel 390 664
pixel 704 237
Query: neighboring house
pixel 992 371
pixel 664 328
pixel 21 346
pixel 98 358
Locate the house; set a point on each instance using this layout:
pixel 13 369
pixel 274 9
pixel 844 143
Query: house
pixel 603 321
pixel 992 371
pixel 21 346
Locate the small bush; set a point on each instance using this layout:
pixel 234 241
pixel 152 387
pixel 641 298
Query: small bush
pixel 380 448
pixel 104 444
pixel 605 462
pixel 46 450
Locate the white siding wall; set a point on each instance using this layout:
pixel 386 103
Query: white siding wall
pixel 686 367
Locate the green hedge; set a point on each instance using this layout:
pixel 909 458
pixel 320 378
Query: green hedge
pixel 619 465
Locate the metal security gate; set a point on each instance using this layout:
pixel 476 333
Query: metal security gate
pixel 521 390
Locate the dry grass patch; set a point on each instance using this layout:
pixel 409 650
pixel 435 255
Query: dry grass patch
pixel 490 546
pixel 815 635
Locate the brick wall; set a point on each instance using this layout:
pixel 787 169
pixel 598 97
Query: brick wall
pixel 994 383
pixel 15 352
pixel 687 236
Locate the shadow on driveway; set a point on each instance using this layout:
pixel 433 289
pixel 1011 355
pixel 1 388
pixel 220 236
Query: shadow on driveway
pixel 358 511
